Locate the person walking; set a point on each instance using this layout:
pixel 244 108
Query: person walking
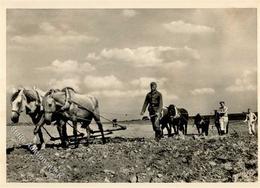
pixel 251 121
pixel 154 102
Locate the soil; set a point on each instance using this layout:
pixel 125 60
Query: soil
pixel 192 158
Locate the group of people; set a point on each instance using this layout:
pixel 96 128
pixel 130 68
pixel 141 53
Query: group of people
pixel 154 101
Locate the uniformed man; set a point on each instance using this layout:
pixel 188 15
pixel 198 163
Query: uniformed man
pixel 155 102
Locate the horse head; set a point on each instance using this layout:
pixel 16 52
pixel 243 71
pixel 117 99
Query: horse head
pixel 24 100
pixel 49 107
pixel 18 104
pixel 172 112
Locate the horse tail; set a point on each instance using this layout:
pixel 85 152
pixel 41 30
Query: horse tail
pixel 95 103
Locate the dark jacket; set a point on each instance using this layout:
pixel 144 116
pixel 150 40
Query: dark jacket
pixel 154 100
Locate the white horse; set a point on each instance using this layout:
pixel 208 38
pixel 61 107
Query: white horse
pixel 83 109
pixel 30 101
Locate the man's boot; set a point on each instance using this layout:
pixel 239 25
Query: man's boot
pixel 156 136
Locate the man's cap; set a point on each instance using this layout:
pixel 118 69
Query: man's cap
pixel 153 83
pixel 222 102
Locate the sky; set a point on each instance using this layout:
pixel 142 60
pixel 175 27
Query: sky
pixel 197 56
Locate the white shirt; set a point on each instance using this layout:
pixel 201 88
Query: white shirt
pixel 251 117
pixel 224 110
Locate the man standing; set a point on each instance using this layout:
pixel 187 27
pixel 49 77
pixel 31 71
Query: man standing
pixel 251 121
pixel 155 102
pixel 223 120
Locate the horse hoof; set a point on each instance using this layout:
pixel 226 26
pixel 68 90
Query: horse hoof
pixel 43 146
pixel 64 146
pixel 34 147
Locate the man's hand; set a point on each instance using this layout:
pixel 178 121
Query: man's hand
pixel 142 113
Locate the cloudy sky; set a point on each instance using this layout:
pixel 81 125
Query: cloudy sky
pixel 197 56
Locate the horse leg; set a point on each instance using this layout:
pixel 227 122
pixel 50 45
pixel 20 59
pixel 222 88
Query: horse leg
pixel 198 128
pixel 64 131
pixel 100 126
pixel 65 140
pixel 88 130
pixel 163 126
pixel 169 130
pixel 60 133
pixel 167 126
pixel 207 129
pixel 75 134
pixel 37 130
pixel 181 126
pixel 41 139
pixel 59 128
pixel 185 128
pixel 177 129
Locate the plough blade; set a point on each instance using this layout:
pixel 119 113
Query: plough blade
pixel 110 130
pixel 58 138
pixel 91 136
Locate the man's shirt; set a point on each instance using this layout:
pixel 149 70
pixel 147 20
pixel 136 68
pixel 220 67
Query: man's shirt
pixel 223 111
pixel 153 99
pixel 251 117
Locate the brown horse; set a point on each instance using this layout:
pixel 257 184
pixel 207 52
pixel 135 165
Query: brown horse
pixel 202 124
pixel 83 108
pixel 176 118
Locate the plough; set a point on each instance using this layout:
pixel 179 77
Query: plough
pixel 81 135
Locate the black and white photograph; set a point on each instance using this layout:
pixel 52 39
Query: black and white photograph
pixel 131 95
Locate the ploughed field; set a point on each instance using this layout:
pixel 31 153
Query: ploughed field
pixel 132 155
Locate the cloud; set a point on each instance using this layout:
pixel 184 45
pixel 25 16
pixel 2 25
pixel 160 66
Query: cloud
pixel 53 36
pixel 92 56
pixel 66 82
pixel 168 97
pixel 129 13
pixel 105 82
pixel 138 89
pixel 247 82
pixel 185 54
pixel 119 93
pixel 49 29
pixel 202 91
pixel 150 56
pixel 144 82
pixel 175 65
pixel 68 66
pixel 188 28
pixel 10 29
